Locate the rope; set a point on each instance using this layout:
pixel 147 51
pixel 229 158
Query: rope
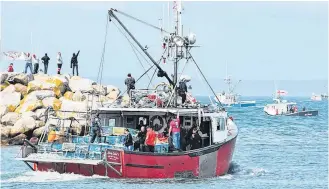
pixel 138 20
pixel 204 78
pixel 133 48
pixel 204 85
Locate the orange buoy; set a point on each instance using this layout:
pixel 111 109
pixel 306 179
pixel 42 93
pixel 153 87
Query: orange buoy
pixel 51 136
pixel 35 167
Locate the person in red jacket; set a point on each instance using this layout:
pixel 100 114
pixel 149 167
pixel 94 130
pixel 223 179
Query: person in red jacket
pixel 10 67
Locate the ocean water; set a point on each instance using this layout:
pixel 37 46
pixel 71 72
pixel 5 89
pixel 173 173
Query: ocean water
pixel 271 152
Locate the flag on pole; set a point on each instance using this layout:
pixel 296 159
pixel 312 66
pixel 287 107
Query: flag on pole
pixel 281 92
pixel 14 55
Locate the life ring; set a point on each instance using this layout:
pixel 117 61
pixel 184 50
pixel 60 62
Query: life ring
pixel 156 122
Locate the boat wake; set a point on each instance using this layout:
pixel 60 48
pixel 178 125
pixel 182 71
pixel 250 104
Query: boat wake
pixel 236 169
pixel 37 177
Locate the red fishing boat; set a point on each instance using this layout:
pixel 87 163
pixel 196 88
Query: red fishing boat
pixel 216 131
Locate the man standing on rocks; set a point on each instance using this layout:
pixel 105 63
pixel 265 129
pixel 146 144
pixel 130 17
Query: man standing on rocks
pixel 36 64
pixel 45 61
pixel 59 63
pixel 74 62
pixel 28 63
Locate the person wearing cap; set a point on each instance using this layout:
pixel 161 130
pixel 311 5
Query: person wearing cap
pixel 28 63
pixel 130 83
pixel 128 141
pixel 150 140
pixel 95 126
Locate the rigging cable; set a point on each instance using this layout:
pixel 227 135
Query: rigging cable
pixel 138 20
pixel 205 78
pixel 134 49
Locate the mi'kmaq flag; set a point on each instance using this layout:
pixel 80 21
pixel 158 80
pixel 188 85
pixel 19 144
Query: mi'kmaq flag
pixel 15 55
pixel 281 92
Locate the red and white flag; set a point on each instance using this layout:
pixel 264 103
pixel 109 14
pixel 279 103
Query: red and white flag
pixel 281 92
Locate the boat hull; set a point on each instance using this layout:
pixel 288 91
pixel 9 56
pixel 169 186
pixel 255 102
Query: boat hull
pixel 305 113
pixel 205 162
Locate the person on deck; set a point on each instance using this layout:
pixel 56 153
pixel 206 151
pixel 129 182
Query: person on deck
pixel 96 129
pixel 304 108
pixel 195 139
pixel 150 140
pixel 59 62
pixel 74 63
pixel 140 125
pixel 36 64
pixel 28 63
pixel 130 83
pixel 45 61
pixel 128 142
pixel 11 67
pixel 141 140
pixel 175 131
pixel 182 90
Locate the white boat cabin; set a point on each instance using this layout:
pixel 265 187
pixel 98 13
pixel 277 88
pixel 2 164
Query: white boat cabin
pixel 279 107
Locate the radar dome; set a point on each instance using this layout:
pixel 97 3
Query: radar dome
pixel 192 38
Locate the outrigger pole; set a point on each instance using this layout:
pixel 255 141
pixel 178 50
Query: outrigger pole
pixel 161 72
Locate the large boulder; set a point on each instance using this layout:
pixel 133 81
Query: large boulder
pixel 17 140
pixel 72 109
pixel 29 114
pixel 52 102
pixel 41 114
pixel 99 89
pixel 80 84
pixel 10 118
pixel 40 95
pixel 21 78
pixel 3 77
pixel 30 105
pixel 23 125
pixel 10 98
pixel 38 132
pixel 44 82
pixel 5 132
pixel 3 86
pixel 3 110
pixel 68 95
pixel 21 89
pixel 78 96
pixel 112 92
pixel 39 123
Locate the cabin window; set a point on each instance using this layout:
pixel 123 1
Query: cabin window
pixel 111 122
pixel 187 121
pixel 221 124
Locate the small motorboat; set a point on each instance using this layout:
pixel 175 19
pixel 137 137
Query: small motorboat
pixel 283 107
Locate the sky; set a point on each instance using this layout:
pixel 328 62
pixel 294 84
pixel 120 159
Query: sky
pixel 260 42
